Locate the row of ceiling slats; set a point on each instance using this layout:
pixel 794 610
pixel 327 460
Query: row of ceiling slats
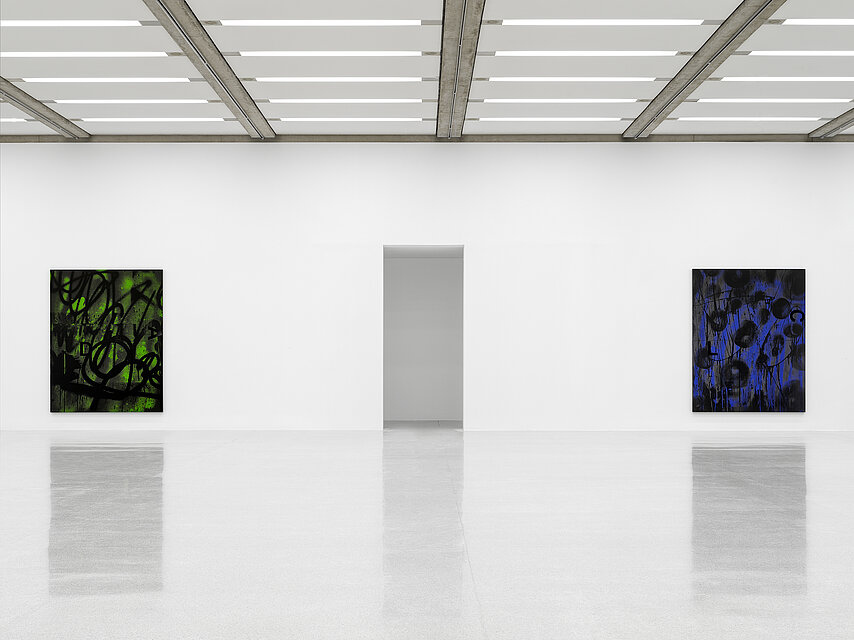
pixel 496 106
pixel 414 116
pixel 485 116
pixel 779 37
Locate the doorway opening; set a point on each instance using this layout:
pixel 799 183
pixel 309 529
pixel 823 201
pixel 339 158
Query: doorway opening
pixel 423 336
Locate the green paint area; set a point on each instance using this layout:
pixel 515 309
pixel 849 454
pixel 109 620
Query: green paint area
pixel 106 341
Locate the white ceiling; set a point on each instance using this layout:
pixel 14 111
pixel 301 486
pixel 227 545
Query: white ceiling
pixel 409 107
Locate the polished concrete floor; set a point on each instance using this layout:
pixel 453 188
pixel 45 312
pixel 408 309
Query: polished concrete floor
pixel 426 532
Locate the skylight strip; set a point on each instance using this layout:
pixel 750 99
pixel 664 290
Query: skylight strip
pixel 70 23
pixel 341 79
pixel 788 79
pixel 115 80
pixel 324 54
pixel 559 100
pixel 153 119
pixel 345 100
pixel 550 119
pixel 802 53
pixel 774 100
pixel 320 23
pixel 83 54
pixel 570 79
pixel 13 120
pixel 588 54
pixel 351 119
pixel 131 101
pixel 595 22
pixel 748 119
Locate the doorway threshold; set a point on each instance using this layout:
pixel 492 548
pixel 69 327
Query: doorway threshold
pixel 423 424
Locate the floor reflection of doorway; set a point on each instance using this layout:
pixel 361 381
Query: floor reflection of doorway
pixel 428 590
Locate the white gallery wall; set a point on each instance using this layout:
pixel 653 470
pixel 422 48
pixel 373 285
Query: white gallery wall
pixel 577 273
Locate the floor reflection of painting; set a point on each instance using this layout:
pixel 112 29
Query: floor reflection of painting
pixel 106 527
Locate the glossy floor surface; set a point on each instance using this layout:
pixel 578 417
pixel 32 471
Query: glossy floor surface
pixel 426 532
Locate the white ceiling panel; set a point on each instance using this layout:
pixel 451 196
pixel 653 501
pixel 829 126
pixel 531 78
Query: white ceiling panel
pixel 513 38
pixel 717 89
pixel 699 109
pixel 86 39
pixel 423 38
pixel 816 9
pixel 74 10
pixel 657 67
pixel 25 129
pixel 772 37
pixel 412 110
pixel 257 67
pixel 262 90
pixel 118 90
pixel 483 89
pixel 205 110
pixel 481 127
pixel 612 9
pixel 683 127
pixel 354 128
pixel 317 10
pixel 8 110
pixel 163 128
pixel 507 110
pixel 166 67
pixel 760 66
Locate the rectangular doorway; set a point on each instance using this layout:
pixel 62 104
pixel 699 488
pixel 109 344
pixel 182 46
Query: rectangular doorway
pixel 423 335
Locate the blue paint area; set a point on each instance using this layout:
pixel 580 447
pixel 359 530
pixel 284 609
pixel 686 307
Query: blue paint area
pixel 749 340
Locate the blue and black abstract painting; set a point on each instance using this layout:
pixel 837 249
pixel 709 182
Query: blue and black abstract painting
pixel 749 339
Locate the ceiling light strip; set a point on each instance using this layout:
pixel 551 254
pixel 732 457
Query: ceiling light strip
pixel 83 54
pixel 344 119
pixel 70 23
pixel 585 54
pixel 787 79
pixel 116 80
pixel 597 22
pixel 132 101
pixel 774 100
pixel 549 119
pixel 341 79
pixel 747 119
pixel 346 100
pixel 320 23
pixel 570 79
pixel 559 100
pixel 331 54
pixel 146 119
pixel 828 53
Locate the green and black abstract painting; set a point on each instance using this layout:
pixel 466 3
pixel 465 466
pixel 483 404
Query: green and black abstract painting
pixel 106 340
